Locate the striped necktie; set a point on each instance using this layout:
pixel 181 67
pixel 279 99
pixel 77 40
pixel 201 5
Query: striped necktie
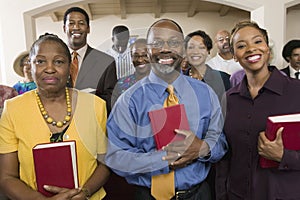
pixel 74 68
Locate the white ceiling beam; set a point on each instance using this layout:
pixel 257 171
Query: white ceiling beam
pixel 54 16
pixel 157 8
pixel 224 10
pixel 123 8
pixel 87 8
pixel 192 8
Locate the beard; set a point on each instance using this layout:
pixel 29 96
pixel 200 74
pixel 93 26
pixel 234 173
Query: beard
pixel 166 62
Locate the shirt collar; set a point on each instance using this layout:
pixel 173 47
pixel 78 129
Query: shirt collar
pixel 81 52
pixel 161 85
pixel 274 84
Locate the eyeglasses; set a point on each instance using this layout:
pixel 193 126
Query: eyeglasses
pixel 158 43
pixel 222 39
pixel 137 57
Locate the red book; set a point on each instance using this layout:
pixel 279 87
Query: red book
pixel 164 121
pixel 55 164
pixel 290 134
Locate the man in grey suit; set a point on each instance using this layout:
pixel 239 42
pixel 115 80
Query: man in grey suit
pixel 96 69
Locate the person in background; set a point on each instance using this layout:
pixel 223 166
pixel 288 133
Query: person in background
pixel 121 52
pixel 141 64
pixel 117 187
pixel 22 68
pixel 263 92
pixel 184 65
pixel 53 113
pixel 197 47
pixel 96 70
pixel 6 92
pixel 223 61
pixel 132 152
pixel 291 54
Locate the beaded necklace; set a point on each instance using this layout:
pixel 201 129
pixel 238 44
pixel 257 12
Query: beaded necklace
pixel 195 75
pixel 49 119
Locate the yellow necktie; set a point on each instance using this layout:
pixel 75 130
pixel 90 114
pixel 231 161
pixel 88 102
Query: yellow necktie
pixel 74 68
pixel 163 186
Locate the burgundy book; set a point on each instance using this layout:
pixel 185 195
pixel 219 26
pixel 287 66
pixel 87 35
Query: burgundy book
pixel 164 121
pixel 55 164
pixel 290 134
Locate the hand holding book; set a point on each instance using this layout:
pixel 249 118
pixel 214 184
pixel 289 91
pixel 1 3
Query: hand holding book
pixel 290 136
pixel 272 150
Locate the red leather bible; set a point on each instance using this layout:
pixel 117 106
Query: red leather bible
pixel 55 164
pixel 164 121
pixel 290 134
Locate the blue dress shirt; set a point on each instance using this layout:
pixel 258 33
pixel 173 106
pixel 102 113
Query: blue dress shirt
pixel 131 147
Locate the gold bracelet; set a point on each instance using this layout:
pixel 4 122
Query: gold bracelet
pixel 86 193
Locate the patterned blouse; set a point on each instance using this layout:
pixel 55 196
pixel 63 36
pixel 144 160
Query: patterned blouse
pixel 24 87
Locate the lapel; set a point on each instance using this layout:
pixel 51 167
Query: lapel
pixel 86 65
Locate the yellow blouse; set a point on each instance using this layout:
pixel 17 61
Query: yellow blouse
pixel 22 127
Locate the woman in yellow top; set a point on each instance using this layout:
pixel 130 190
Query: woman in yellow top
pixel 52 113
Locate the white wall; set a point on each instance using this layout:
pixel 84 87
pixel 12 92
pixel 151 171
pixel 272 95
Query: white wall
pixel 12 38
pixel 292 25
pixel 100 36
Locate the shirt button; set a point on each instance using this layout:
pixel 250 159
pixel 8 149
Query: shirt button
pixel 249 116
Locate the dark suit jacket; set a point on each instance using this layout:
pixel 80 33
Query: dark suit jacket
pixel 98 71
pixel 286 71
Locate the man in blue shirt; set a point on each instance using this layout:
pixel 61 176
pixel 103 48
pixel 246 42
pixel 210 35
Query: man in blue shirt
pixel 132 151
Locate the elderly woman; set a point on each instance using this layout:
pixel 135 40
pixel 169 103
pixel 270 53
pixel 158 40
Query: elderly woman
pixel 22 68
pixel 263 92
pixel 52 113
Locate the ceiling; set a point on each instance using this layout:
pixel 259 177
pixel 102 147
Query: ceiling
pixel 121 8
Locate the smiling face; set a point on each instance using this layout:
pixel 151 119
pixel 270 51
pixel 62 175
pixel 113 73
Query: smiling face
pixel 222 42
pixel 140 58
pixel 50 66
pixel 294 59
pixel 196 51
pixel 251 49
pixel 165 47
pixel 77 29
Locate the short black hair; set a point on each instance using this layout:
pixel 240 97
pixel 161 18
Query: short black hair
pixel 120 29
pixel 206 39
pixel 77 9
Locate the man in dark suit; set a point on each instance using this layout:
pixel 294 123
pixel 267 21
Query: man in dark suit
pixel 96 69
pixel 291 54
